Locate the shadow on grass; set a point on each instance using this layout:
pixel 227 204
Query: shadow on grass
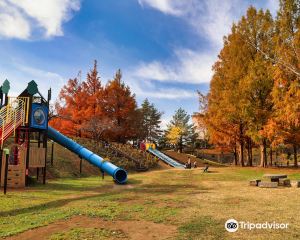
pixel 51 205
pixel 102 192
pixel 80 186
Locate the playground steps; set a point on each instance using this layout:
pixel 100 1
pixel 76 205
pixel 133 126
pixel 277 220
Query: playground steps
pixel 15 177
pixel 16 173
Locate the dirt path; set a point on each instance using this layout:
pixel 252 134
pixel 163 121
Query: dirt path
pixel 135 230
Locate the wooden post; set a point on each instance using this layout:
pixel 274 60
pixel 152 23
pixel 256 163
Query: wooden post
pixel 52 153
pixel 80 166
pixel 46 136
pixel 28 145
pixel 39 139
pixel 37 173
pixel 45 146
pixel 27 160
pixel 6 169
pixel 1 152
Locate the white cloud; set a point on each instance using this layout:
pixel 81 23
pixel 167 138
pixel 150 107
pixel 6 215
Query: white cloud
pixel 273 5
pixel 19 75
pixel 173 93
pixel 24 18
pixel 12 22
pixel 188 67
pixel 211 19
pixel 147 89
pixel 165 6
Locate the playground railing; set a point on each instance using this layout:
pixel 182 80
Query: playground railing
pixel 14 114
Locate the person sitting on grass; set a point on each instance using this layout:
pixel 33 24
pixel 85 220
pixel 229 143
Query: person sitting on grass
pixel 195 164
pixel 206 168
pixel 188 164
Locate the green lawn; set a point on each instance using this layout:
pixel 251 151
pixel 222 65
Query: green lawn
pixel 191 204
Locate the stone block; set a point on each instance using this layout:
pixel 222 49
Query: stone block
pixel 268 184
pixel 254 182
pixel 285 182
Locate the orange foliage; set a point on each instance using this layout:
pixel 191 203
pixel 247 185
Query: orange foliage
pixel 90 110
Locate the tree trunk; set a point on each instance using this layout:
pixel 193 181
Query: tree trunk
pixel 263 153
pixel 241 153
pixel 295 155
pixel 271 156
pixel 235 156
pixel 241 146
pixel 180 144
pixel 249 153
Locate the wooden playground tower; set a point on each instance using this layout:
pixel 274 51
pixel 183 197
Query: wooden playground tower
pixel 25 118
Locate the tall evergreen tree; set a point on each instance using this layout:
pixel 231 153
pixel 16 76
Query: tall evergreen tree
pixel 151 120
pixel 180 131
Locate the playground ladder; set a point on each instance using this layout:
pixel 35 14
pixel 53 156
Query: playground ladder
pixel 13 115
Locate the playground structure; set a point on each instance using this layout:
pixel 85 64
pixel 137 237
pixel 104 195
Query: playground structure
pixel 26 119
pixel 151 148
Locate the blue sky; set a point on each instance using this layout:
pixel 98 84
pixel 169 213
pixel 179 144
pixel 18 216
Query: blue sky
pixel 165 48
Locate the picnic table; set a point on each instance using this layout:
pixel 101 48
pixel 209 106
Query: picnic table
pixel 275 177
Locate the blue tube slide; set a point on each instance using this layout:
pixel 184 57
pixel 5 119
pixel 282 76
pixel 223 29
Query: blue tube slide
pixel 119 174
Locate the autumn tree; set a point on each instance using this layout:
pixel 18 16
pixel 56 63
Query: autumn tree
pixel 286 91
pixel 94 91
pixel 119 105
pixel 180 131
pixel 70 109
pixel 225 115
pixel 256 29
pixel 95 122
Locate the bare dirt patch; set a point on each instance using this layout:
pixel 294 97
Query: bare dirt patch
pixel 135 230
